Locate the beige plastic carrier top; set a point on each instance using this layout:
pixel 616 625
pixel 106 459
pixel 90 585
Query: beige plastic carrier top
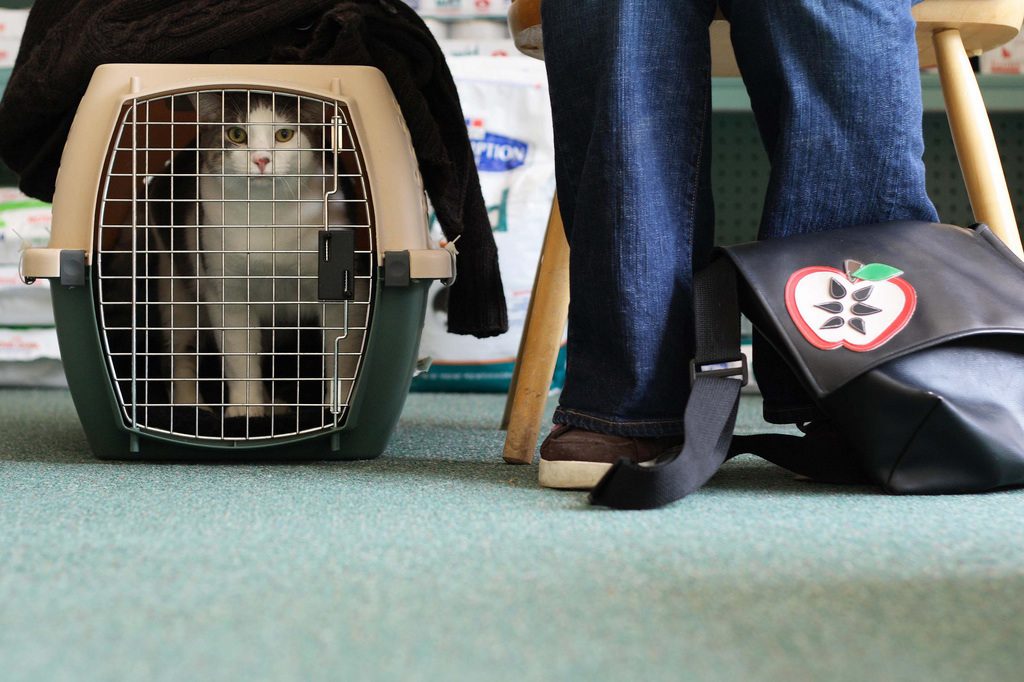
pixel 383 137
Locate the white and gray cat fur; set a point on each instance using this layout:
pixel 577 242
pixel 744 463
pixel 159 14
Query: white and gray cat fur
pixel 260 205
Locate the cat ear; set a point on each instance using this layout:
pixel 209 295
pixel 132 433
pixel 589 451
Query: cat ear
pixel 313 111
pixel 209 105
pixel 183 102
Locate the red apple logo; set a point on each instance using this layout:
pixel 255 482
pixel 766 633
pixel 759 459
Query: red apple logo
pixel 860 309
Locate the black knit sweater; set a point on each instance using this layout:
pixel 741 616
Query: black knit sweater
pixel 65 40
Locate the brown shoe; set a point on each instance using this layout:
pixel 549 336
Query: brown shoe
pixel 575 459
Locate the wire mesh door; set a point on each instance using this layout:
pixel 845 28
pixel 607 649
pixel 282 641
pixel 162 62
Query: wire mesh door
pixel 219 215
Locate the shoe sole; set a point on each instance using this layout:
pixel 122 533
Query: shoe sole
pixel 569 475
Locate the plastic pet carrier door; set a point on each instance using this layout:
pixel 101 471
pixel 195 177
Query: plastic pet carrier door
pixel 239 261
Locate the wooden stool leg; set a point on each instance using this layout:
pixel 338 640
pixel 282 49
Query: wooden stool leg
pixel 975 144
pixel 538 350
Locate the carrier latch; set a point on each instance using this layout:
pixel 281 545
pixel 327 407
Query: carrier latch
pixel 397 269
pixel 336 265
pixel 401 268
pixel 65 265
pixel 72 268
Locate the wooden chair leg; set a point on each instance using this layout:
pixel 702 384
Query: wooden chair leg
pixel 538 350
pixel 972 136
pixel 513 386
pixel 528 322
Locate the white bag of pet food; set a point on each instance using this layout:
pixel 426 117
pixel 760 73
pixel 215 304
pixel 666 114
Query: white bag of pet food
pixel 508 113
pixel 1005 59
pixel 24 223
pixel 12 23
pixel 30 358
pixel 23 306
pixel 461 9
pixel 12 26
pixel 474 47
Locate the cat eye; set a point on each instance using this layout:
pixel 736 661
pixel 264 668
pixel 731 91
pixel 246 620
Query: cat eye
pixel 284 134
pixel 237 135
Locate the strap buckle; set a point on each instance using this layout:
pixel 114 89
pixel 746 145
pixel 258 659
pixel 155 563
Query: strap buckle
pixel 732 367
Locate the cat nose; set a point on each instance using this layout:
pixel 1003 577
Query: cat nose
pixel 262 162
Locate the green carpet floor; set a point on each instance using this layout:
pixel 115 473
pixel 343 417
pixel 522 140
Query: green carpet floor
pixel 438 562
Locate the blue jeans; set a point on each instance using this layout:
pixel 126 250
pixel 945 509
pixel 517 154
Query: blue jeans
pixel 835 91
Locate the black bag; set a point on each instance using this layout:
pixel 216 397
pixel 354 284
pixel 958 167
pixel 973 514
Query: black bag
pixel 909 337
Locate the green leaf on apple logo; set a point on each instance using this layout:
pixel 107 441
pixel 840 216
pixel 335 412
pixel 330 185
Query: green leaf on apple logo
pixel 877 272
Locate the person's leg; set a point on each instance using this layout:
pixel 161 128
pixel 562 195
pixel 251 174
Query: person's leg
pixel 630 93
pixel 835 88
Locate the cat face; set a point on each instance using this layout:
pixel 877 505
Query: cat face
pixel 260 135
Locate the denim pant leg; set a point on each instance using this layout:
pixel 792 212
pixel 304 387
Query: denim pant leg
pixel 836 92
pixel 630 92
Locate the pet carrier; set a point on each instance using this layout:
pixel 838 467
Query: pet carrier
pixel 239 261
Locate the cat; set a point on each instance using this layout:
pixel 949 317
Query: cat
pixel 260 204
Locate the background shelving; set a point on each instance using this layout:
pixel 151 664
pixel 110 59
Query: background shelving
pixel 740 167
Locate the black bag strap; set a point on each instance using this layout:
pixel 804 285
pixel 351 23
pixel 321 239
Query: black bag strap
pixel 710 412
pixel 711 415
